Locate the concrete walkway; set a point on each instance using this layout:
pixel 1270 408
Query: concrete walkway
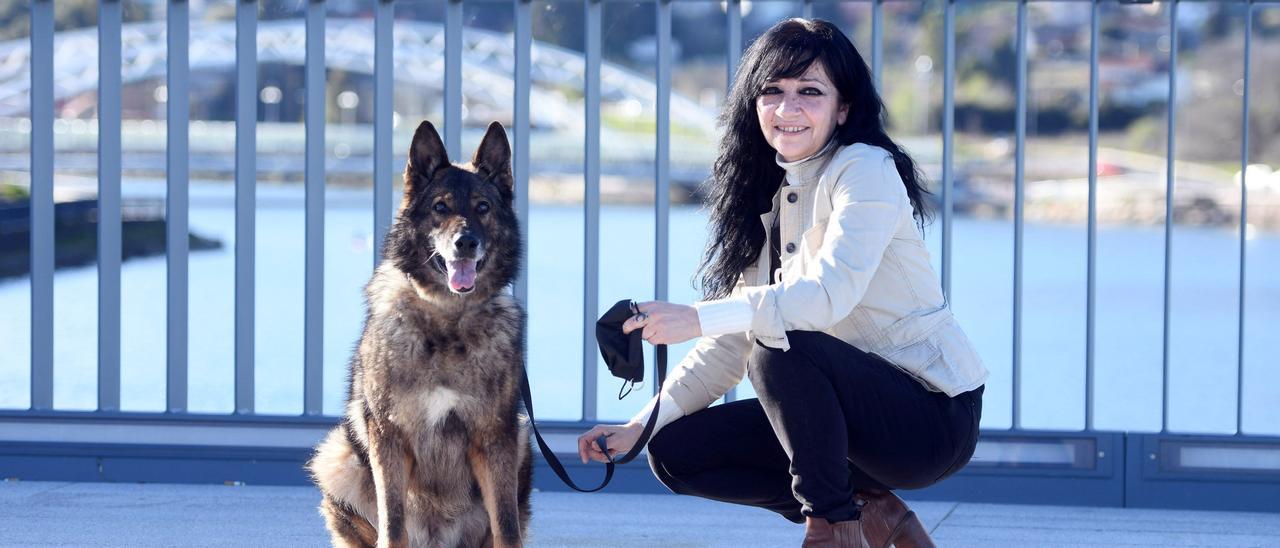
pixel 101 514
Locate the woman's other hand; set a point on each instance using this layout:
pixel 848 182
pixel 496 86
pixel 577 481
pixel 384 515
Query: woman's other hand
pixel 618 438
pixel 665 323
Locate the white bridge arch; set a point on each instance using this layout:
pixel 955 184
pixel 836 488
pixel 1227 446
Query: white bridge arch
pixel 487 58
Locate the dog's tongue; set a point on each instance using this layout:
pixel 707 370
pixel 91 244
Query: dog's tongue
pixel 462 274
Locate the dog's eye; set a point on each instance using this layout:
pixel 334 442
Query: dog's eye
pixel 441 207
pixel 482 208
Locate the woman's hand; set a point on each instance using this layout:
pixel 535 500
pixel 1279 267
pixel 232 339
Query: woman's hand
pixel 619 440
pixel 665 323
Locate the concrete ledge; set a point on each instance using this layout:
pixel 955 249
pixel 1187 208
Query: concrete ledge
pixel 1056 468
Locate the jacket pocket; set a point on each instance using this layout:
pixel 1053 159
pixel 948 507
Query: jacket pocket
pixel 945 359
pixel 911 329
pixel 916 348
pixel 960 367
pixel 916 357
pixel 811 240
pixel 800 263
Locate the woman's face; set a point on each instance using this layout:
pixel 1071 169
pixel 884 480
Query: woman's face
pixel 798 115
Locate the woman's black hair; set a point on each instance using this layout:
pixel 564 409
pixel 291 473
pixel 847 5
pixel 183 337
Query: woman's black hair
pixel 746 176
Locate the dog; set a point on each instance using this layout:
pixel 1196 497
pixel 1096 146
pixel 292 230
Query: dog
pixel 433 449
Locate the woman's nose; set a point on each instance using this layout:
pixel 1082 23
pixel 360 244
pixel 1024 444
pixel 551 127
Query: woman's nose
pixel 787 104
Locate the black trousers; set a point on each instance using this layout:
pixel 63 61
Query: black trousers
pixel 829 419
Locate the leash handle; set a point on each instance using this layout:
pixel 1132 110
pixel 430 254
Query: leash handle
pixel 660 357
pixel 554 462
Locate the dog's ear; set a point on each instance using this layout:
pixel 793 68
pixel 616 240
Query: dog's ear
pixel 493 156
pixel 426 156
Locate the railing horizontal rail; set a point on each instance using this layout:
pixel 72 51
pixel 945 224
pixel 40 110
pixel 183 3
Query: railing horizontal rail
pixel 802 3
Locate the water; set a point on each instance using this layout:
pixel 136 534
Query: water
pixel 1129 345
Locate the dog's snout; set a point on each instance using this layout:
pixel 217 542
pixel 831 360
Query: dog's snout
pixel 466 243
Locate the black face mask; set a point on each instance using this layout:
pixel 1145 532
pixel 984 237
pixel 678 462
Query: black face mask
pixel 623 352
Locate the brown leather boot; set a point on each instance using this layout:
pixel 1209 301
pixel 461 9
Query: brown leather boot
pixel 820 533
pixel 886 521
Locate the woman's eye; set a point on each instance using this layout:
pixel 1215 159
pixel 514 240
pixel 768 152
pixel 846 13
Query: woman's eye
pixel 770 91
pixel 441 207
pixel 811 91
pixel 482 208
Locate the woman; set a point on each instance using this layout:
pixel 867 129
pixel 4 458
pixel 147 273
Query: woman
pixel 819 288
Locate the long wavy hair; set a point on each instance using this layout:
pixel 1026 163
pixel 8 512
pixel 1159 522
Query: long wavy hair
pixel 745 175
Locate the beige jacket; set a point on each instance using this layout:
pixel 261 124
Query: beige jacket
pixel 853 266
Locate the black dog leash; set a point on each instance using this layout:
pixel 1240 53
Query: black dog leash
pixel 554 462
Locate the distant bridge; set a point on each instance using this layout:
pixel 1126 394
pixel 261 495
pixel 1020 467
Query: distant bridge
pixel 488 61
pixel 487 87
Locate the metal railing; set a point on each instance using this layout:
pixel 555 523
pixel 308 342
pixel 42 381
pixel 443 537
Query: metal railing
pixel 41 411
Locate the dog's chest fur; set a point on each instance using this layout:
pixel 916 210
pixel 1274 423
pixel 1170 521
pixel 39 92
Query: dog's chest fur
pixel 448 373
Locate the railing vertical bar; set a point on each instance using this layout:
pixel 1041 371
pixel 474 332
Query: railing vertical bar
pixel 1168 204
pixel 591 207
pixel 383 103
pixel 733 44
pixel 246 188
pixel 1018 195
pixel 806 9
pixel 877 42
pixel 1092 268
pixel 109 204
pixel 177 246
pixel 733 55
pixel 42 246
pixel 1244 214
pixel 523 53
pixel 948 143
pixel 662 167
pixel 313 322
pixel 453 77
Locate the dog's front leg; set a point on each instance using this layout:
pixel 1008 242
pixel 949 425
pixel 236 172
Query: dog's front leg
pixel 493 461
pixel 389 461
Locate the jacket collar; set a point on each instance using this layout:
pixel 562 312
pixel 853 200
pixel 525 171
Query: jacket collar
pixel 807 170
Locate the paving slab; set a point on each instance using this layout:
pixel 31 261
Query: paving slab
pixel 165 515
pixel 973 524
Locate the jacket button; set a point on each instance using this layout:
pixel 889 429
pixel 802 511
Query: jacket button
pixel 791 248
pixel 791 197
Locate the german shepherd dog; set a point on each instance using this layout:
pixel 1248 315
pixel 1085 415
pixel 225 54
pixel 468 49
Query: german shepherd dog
pixel 434 448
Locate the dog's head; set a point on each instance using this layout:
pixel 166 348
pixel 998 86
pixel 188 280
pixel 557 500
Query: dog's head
pixel 457 231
